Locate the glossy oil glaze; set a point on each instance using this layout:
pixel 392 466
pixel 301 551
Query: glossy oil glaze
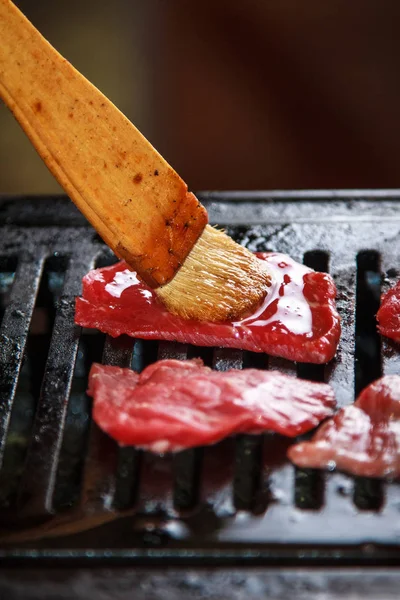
pixel 297 319
pixel 285 303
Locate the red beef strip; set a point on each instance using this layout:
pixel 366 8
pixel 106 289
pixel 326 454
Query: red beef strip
pixel 174 405
pixel 362 439
pixel 298 320
pixel 388 315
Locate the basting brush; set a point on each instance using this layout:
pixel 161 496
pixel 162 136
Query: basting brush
pixel 133 198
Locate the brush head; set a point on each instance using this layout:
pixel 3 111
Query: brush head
pixel 219 281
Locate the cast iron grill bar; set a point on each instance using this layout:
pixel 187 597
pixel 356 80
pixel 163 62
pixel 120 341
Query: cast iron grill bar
pixel 101 464
pixel 216 492
pixel 340 372
pixel 39 477
pixel 118 351
pixel 248 472
pixel 14 333
pixel 187 466
pixel 172 351
pixel 225 359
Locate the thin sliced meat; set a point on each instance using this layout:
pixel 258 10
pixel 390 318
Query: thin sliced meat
pixel 388 315
pixel 362 439
pixel 175 404
pixel 298 319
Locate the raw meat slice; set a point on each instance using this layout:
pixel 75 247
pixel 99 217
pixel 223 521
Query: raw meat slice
pixel 362 439
pixel 175 404
pixel 298 319
pixel 388 315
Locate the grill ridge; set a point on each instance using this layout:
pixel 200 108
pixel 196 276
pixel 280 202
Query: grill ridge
pixel 38 480
pixel 13 335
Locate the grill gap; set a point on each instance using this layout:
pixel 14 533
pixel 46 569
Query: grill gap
pixel 368 342
pixel 368 492
pixel 106 258
pixel 144 354
pixel 205 353
pixel 255 360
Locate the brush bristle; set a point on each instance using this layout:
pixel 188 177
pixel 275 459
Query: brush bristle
pixel 219 281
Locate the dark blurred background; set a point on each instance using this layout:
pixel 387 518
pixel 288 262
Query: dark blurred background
pixel 235 95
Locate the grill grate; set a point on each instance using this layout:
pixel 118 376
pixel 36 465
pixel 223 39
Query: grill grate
pixel 68 491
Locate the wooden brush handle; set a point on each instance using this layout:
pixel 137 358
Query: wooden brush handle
pixel 131 196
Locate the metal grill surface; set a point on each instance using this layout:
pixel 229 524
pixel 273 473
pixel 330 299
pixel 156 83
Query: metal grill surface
pixel 68 492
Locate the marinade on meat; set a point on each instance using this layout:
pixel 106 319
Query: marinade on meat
pixel 297 320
